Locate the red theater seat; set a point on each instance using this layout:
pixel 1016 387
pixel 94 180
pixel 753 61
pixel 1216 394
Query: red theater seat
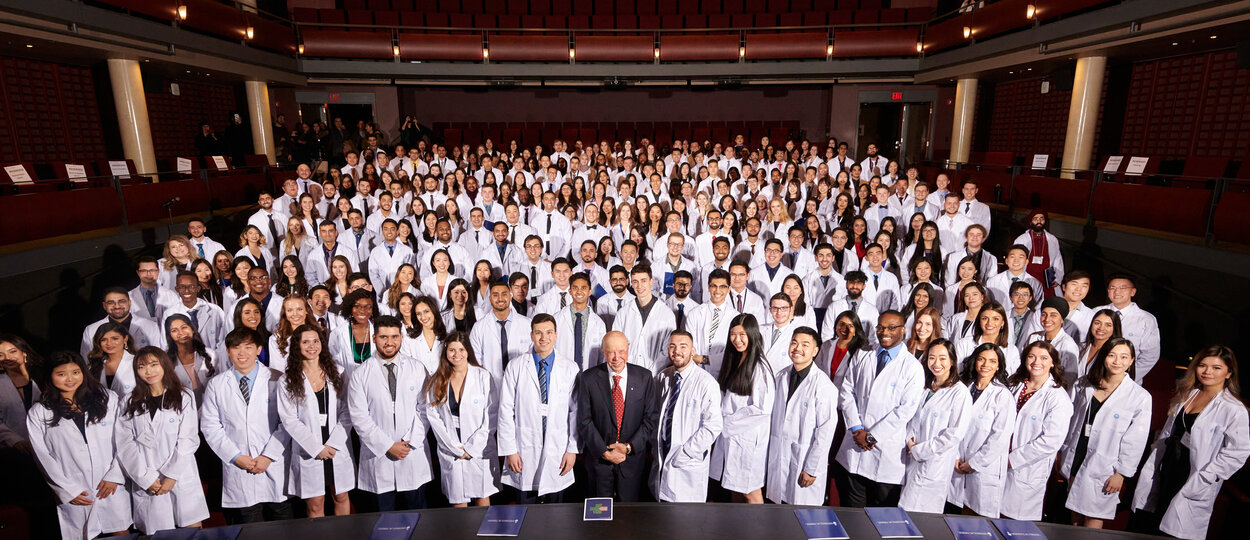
pixel 1232 218
pixel 1171 209
pixel 1058 195
pixel 143 202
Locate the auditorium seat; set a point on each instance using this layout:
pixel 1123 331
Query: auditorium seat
pixel 1162 208
pixel 1231 218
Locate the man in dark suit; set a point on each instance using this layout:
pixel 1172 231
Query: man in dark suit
pixel 617 416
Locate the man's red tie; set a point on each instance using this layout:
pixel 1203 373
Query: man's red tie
pixel 618 404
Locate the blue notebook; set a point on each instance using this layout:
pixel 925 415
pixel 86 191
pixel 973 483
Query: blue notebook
pixel 597 509
pixel 503 520
pixel 821 524
pixel 970 528
pixel 229 532
pixel 893 522
pixel 1014 529
pixel 395 526
pixel 175 534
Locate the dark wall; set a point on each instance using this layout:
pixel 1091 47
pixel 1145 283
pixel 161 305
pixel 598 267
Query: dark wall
pixel 175 120
pixel 808 105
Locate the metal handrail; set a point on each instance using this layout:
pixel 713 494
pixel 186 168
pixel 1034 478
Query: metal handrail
pixel 400 27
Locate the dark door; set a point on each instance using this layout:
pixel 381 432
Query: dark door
pixel 880 124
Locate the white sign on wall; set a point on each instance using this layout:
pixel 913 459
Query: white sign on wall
pixel 1136 165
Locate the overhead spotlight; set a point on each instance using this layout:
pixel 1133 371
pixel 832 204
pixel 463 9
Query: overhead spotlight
pixel 1030 11
pixel 967 32
pixel 182 13
pixel 251 32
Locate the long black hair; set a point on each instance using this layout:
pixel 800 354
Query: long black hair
pixel 90 399
pixel 737 373
pixel 969 373
pixel 137 403
pixel 859 341
pixel 197 342
pixel 1098 369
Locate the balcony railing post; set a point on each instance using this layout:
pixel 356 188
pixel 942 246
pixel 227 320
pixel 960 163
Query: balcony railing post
pixel 1089 202
pixel 1221 185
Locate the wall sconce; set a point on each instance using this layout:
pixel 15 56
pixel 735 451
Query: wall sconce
pixel 919 46
pixel 572 53
pixel 742 52
pixel 1030 11
pixel 967 32
pixel 485 53
pixel 251 32
pixel 657 53
pixel 829 50
pixel 301 48
pixel 395 50
pixel 182 13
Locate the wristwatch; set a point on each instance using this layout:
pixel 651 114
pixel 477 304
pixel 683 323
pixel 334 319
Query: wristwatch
pixel 629 449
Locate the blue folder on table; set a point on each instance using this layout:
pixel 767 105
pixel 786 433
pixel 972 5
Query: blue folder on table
pixel 893 522
pixel 395 526
pixel 229 532
pixel 821 524
pixel 503 520
pixel 1019 530
pixel 970 528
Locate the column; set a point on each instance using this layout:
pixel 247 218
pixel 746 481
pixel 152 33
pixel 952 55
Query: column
pixel 1078 145
pixel 132 114
pixel 965 110
pixel 258 114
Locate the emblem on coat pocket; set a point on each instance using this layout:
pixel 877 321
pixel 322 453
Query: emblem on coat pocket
pixel 1033 417
pixel 173 420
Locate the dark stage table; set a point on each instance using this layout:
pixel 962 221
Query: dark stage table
pixel 633 521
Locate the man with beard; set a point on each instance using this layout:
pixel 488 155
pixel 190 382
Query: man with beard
pixel 1045 261
pixel 852 301
pixel 610 304
pixel 873 165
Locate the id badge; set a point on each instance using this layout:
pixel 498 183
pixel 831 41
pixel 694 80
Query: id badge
pixel 147 439
pixel 324 419
pixel 455 422
pixel 542 410
pixel 1037 260
pixel 1089 427
pixel 1186 440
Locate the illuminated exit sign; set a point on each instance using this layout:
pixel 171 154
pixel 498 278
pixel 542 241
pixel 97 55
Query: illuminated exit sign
pixel 896 96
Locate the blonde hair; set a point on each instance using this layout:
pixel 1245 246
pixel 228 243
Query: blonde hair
pixel 172 263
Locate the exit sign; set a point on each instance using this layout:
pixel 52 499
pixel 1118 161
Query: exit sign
pixel 335 96
pixel 896 96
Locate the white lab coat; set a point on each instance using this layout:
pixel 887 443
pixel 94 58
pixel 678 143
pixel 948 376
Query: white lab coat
pixel 383 264
pixel 302 422
pixel 123 378
pixel 1140 327
pixel 145 332
pixel 819 293
pixel 164 299
pixel 965 346
pixel 800 435
pixel 882 403
pixel 648 342
pixel 681 475
pixel 420 350
pixel 341 343
pixel 938 428
pixel 1052 249
pixel 777 344
pixel 232 426
pixel 484 338
pixel 765 286
pixel 1041 426
pixel 73 464
pixel 1218 447
pixel 707 343
pixel 991 423
pixel 1117 440
pixel 594 328
pixel 520 424
pixel 741 452
pixel 149 447
pixel 472 432
pixel 381 422
pixel 210 316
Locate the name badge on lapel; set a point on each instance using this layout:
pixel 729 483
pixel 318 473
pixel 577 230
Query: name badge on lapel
pixel 147 439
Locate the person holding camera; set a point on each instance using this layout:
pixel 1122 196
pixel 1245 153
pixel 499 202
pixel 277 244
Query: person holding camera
pixel 879 391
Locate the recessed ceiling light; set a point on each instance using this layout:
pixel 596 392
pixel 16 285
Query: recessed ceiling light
pixel 29 46
pixel 1030 69
pixel 1213 37
pixel 1011 73
pixel 1175 43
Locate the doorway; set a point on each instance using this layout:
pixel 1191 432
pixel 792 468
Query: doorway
pixel 351 113
pixel 900 130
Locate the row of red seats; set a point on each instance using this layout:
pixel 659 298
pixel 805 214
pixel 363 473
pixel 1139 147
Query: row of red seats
pixel 329 18
pixel 660 133
pixel 620 7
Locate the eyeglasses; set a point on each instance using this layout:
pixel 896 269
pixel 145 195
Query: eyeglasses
pixel 890 328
